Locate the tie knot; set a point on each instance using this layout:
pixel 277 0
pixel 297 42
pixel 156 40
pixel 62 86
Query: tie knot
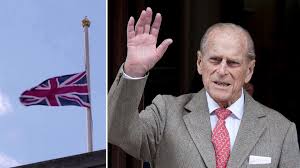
pixel 222 113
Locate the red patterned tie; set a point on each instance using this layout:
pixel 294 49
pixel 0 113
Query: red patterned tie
pixel 220 138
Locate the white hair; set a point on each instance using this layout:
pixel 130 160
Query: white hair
pixel 236 28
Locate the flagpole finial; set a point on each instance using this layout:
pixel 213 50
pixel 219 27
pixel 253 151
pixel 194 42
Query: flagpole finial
pixel 86 22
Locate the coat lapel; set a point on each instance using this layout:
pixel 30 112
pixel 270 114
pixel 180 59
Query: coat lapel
pixel 252 126
pixel 198 125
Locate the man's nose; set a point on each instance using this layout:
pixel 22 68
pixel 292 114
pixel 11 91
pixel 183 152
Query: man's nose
pixel 222 68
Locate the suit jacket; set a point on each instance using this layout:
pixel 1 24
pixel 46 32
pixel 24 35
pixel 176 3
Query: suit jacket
pixel 176 131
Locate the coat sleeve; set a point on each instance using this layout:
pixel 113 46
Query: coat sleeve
pixel 290 154
pixel 136 133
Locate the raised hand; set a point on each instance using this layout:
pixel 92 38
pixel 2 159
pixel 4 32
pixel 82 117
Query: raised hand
pixel 142 53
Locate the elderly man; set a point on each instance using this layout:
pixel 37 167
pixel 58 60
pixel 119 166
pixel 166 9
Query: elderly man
pixel 220 126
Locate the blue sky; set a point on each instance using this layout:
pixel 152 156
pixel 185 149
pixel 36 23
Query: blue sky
pixel 42 39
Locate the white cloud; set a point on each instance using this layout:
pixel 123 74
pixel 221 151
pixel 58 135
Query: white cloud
pixel 6 161
pixel 5 105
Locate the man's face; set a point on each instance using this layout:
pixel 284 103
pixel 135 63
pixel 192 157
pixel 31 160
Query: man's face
pixel 224 66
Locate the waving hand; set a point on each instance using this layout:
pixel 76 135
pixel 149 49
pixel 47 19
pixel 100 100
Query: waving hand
pixel 142 53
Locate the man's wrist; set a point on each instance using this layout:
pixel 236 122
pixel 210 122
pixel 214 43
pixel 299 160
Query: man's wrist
pixel 133 70
pixel 126 76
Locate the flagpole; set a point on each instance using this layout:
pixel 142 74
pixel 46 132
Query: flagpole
pixel 86 24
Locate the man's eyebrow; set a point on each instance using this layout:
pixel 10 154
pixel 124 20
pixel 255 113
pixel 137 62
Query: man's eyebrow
pixel 233 60
pixel 214 56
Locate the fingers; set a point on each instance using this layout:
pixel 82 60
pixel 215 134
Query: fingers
pixel 130 28
pixel 143 24
pixel 148 20
pixel 156 25
pixel 139 27
pixel 162 48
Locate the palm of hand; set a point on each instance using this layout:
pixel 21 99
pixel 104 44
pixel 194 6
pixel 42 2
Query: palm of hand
pixel 142 51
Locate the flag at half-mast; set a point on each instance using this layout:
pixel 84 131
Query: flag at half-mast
pixel 59 91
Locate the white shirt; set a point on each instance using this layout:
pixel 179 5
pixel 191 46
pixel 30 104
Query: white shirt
pixel 233 121
pixel 133 78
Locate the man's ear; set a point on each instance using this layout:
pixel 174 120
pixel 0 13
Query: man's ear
pixel 199 62
pixel 250 71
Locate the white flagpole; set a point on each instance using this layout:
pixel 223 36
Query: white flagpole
pixel 86 24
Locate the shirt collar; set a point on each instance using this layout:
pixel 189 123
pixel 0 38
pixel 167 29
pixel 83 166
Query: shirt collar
pixel 237 108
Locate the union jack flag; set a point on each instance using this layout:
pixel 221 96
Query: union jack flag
pixel 59 91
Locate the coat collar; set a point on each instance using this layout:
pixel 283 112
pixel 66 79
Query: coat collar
pixel 198 124
pixel 252 126
pixel 197 121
